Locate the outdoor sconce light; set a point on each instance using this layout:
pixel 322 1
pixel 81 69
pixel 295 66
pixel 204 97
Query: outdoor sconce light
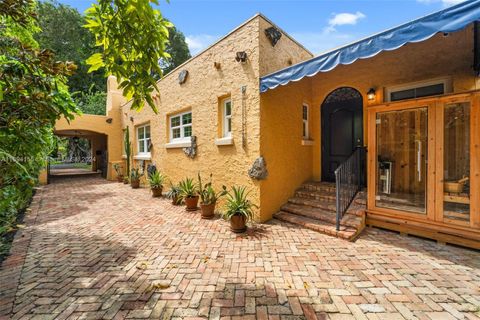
pixel 241 56
pixel 109 120
pixel 371 94
pixel 131 119
pixel 217 65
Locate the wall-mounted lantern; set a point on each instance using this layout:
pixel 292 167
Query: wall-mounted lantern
pixel 131 118
pixel 241 56
pixel 217 65
pixel 371 94
pixel 109 120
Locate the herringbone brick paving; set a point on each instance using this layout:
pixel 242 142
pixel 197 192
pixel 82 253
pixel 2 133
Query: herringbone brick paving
pixel 94 249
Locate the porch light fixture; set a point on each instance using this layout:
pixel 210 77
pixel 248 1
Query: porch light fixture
pixel 241 56
pixel 371 94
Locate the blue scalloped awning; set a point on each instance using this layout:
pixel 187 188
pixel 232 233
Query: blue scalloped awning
pixel 448 20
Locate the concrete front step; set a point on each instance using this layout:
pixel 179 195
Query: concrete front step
pixel 329 216
pixel 345 232
pixel 313 207
pixel 355 208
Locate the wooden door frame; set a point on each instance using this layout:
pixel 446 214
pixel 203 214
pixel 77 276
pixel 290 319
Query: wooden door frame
pixel 434 217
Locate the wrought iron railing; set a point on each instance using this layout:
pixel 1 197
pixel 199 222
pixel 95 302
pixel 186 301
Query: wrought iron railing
pixel 349 179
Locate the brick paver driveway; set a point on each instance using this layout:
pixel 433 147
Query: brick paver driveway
pixel 97 249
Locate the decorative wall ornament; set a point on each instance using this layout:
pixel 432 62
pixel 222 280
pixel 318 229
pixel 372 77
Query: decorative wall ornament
pixel 182 76
pixel 273 34
pixel 191 151
pixel 259 169
pixel 241 56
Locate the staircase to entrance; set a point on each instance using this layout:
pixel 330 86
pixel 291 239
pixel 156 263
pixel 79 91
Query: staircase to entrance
pixel 313 206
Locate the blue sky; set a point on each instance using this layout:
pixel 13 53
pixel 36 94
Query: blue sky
pixel 319 25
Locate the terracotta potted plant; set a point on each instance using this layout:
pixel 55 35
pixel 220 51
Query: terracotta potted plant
pixel 239 210
pixel 118 169
pixel 156 179
pixel 135 178
pixel 208 197
pixel 174 194
pixel 189 193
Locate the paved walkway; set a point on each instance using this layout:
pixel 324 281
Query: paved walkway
pixel 93 249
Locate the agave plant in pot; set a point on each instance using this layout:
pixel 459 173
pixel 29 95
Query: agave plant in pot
pixel 135 178
pixel 189 193
pixel 174 194
pixel 118 169
pixel 156 180
pixel 209 197
pixel 239 209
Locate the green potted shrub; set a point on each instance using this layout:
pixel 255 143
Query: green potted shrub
pixel 208 197
pixel 189 193
pixel 118 169
pixel 174 194
pixel 156 180
pixel 135 178
pixel 239 209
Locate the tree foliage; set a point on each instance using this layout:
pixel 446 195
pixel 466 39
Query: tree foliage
pixel 178 50
pixel 133 36
pixel 63 33
pixel 33 95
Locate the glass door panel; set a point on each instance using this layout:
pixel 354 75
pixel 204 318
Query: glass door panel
pixel 401 175
pixel 456 161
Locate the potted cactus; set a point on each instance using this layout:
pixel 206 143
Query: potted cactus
pixel 208 197
pixel 135 178
pixel 156 180
pixel 189 193
pixel 118 169
pixel 239 210
pixel 174 194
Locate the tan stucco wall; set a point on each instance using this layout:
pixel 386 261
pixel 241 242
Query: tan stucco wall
pixel 201 93
pixel 289 162
pixel 285 52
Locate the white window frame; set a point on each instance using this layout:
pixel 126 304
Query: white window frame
pixel 143 141
pixel 225 132
pixel 447 85
pixel 306 122
pixel 182 127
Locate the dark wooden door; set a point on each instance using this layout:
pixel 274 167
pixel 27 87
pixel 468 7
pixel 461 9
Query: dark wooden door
pixel 342 129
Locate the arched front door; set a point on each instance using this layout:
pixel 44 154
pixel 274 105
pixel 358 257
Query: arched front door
pixel 342 128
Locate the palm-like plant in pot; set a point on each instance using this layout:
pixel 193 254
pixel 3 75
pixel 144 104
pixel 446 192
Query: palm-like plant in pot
pixel 174 194
pixel 239 209
pixel 189 193
pixel 209 197
pixel 135 178
pixel 118 169
pixel 156 180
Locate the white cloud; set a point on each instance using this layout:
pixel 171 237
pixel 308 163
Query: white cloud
pixel 446 3
pixel 345 18
pixel 198 42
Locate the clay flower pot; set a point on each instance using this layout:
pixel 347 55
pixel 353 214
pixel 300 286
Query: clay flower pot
pixel 208 210
pixel 191 203
pixel 238 223
pixel 120 178
pixel 135 184
pixel 157 192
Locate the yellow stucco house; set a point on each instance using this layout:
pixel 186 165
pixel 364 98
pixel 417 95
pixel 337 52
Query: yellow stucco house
pixel 396 115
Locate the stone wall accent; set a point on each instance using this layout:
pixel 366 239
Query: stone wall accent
pixel 258 170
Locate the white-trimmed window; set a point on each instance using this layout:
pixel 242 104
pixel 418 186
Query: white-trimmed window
pixel 227 118
pixel 305 119
pixel 181 126
pixel 418 89
pixel 143 139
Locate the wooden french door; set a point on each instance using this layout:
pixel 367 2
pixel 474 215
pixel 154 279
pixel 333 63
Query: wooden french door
pixel 424 160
